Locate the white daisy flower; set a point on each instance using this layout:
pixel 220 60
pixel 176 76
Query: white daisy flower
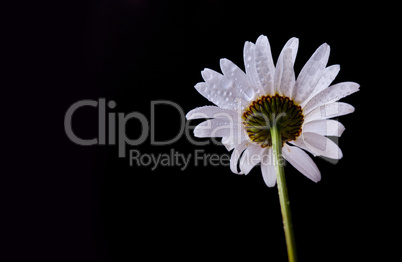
pixel 248 103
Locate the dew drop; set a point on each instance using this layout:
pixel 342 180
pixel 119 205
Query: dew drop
pixel 226 83
pixel 311 71
pixel 248 93
pixel 318 56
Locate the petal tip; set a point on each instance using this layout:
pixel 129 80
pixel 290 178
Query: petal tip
pixel 199 85
pixel 317 180
pixel 188 116
pixel 223 62
pixel 262 38
pixel 294 39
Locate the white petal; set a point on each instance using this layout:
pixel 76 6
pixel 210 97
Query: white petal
pixel 299 143
pixel 217 128
pixel 318 145
pixel 228 142
pixel 238 136
pixel 284 74
pixel 212 93
pixel 302 162
pixel 251 157
pixel 311 73
pixel 234 158
pixel 264 64
pixel 251 69
pixel 238 79
pixel 268 168
pixel 324 127
pixel 291 45
pixel 210 112
pixel 220 90
pixel 329 111
pixel 326 79
pixel 331 94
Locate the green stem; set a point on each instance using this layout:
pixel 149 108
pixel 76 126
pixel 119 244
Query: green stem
pixel 283 193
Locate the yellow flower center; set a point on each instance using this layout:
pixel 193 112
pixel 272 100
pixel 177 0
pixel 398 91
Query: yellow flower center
pixel 273 110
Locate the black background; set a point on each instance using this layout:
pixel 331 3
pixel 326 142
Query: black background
pixel 75 203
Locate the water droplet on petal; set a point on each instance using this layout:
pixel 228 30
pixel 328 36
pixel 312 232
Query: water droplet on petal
pixel 248 93
pixel 311 71
pixel 226 83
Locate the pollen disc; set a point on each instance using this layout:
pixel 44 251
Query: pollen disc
pixel 269 110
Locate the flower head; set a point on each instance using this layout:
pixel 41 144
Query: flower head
pixel 249 103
